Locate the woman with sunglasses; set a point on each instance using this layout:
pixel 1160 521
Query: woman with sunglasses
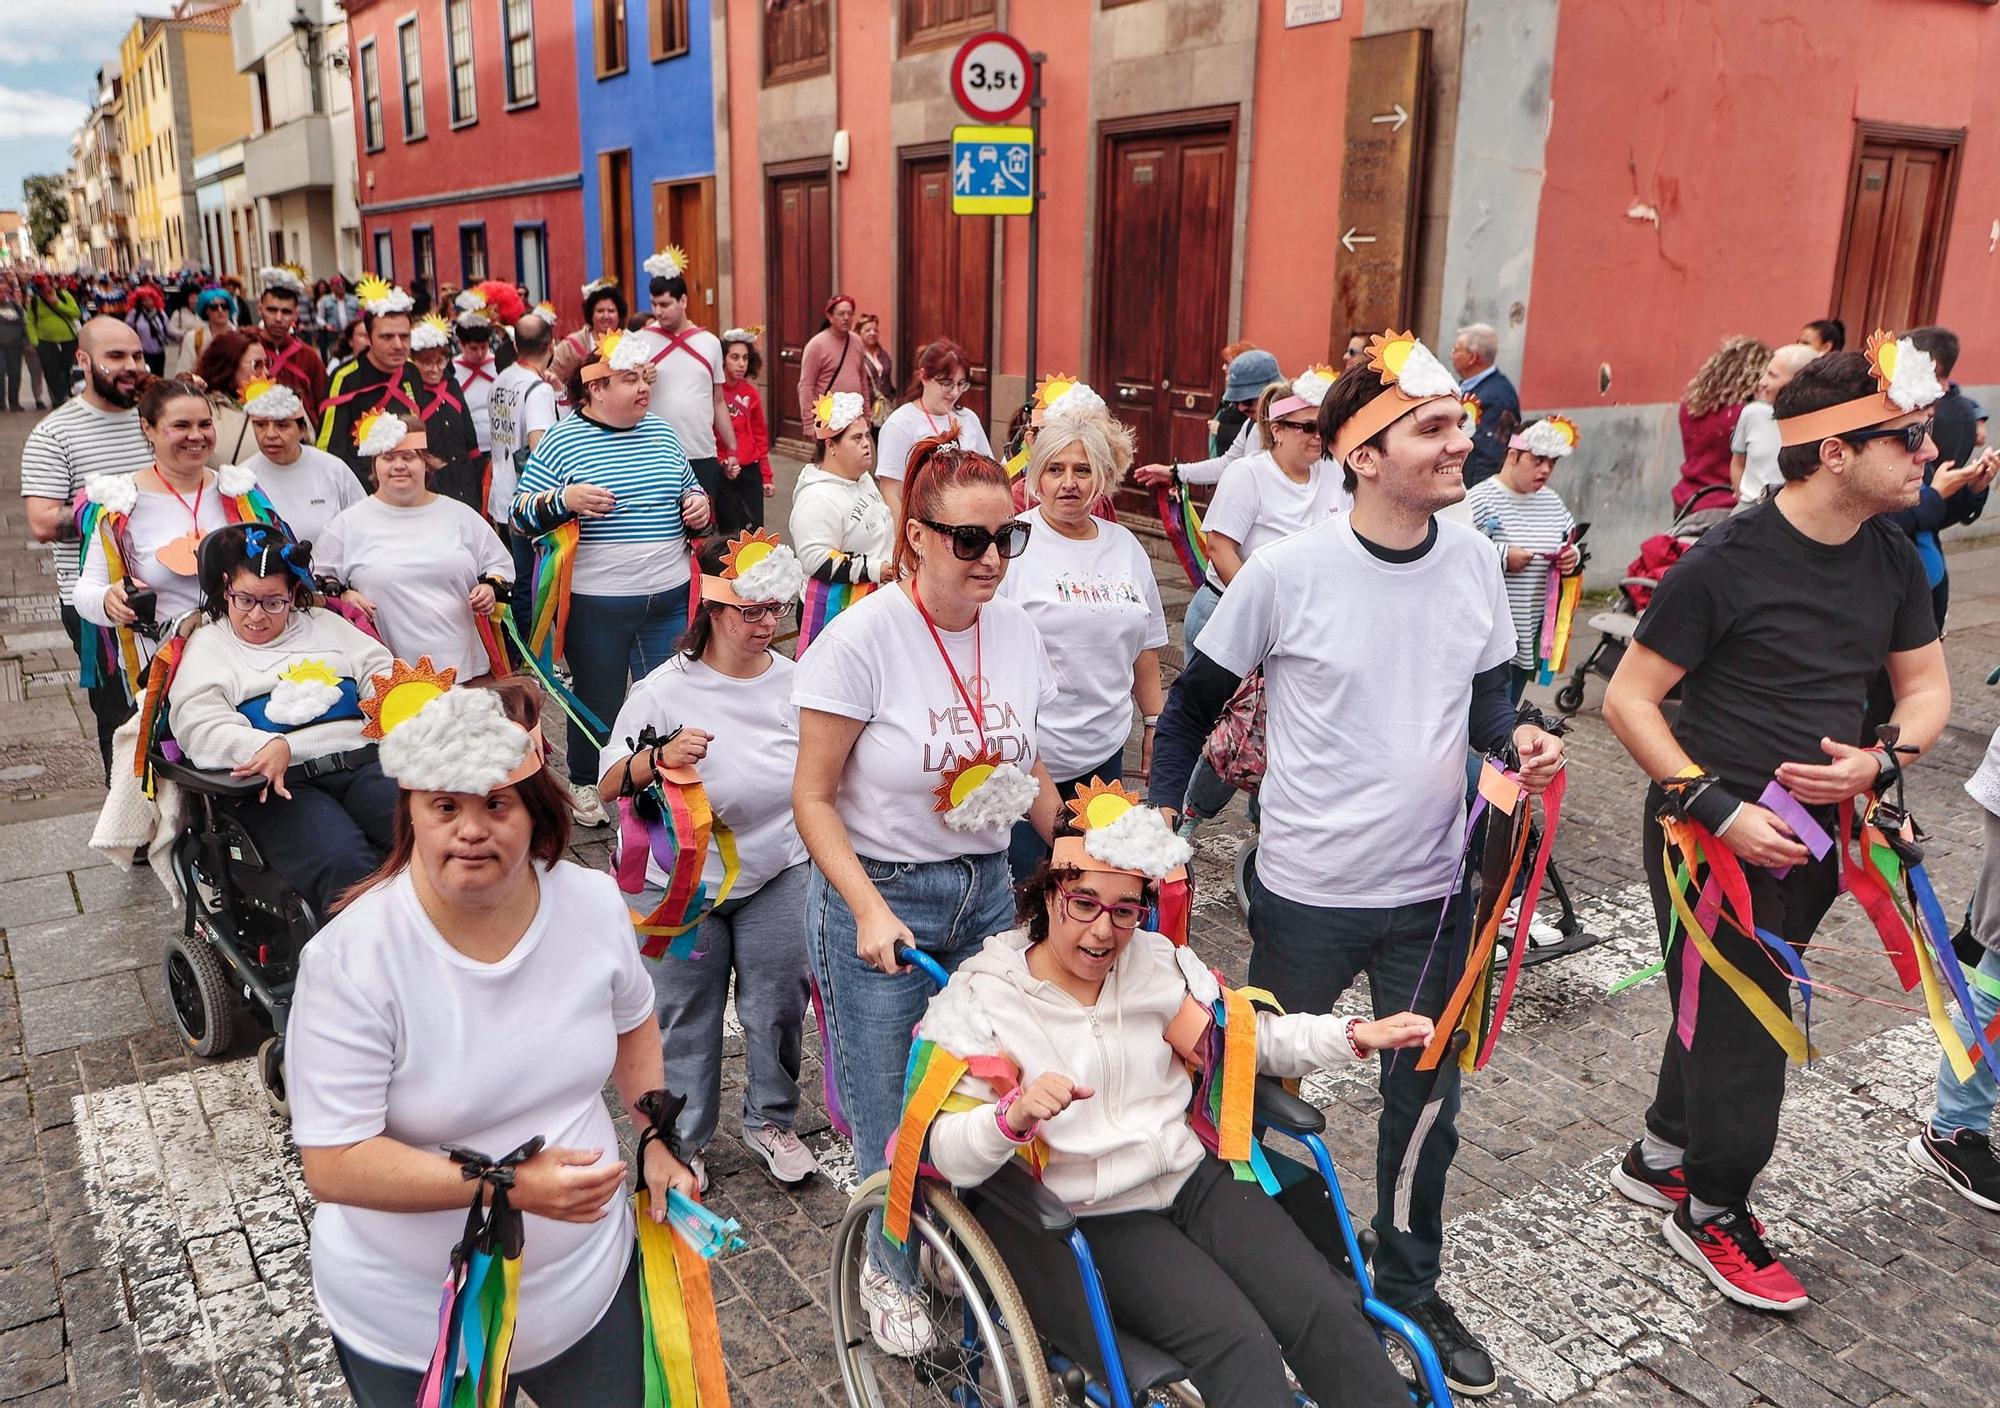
pixel 920 720
pixel 944 373
pixel 720 711
pixel 273 684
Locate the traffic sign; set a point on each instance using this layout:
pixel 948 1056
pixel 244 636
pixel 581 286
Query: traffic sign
pixel 992 171
pixel 990 76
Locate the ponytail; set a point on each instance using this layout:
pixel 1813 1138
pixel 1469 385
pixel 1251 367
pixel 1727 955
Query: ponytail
pixel 937 466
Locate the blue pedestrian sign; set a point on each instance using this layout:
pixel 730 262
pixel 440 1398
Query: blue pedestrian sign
pixel 992 171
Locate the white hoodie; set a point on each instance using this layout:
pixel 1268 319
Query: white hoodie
pixel 1128 1147
pixel 831 514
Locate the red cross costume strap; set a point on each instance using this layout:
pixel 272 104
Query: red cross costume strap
pixel 683 341
pixel 281 358
pixel 475 371
pixel 391 391
pixel 447 395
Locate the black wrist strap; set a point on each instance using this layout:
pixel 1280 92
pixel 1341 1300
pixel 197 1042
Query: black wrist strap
pixel 661 1107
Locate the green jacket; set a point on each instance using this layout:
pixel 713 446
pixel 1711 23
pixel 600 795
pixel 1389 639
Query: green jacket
pixel 52 320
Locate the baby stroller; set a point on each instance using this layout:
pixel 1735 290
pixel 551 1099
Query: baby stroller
pixel 1709 506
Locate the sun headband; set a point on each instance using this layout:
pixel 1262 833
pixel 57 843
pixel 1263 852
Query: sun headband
pixel 1060 394
pixel 438 738
pixel 608 281
pixel 1120 833
pixel 667 263
pixel 380 297
pixel 264 399
pixel 431 333
pixel 744 335
pixel 1906 378
pixel 1309 389
pixel 620 352
pixel 473 311
pixel 756 569
pixel 378 432
pixel 1549 438
pixel 285 276
pixel 1412 377
pixel 835 411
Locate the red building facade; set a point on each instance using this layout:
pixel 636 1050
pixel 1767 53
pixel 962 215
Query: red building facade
pixel 466 143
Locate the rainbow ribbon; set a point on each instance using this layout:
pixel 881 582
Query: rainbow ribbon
pixel 930 1088
pixel 1182 523
pixel 153 710
pixel 1558 618
pixel 682 1354
pixel 555 558
pixel 821 602
pixel 678 840
pixel 482 1293
pixel 1223 1114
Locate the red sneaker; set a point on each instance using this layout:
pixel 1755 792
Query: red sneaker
pixel 1649 1186
pixel 1730 1251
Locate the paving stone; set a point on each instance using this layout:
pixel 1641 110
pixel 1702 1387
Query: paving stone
pixel 48 847
pixel 93 1302
pixel 27 1293
pixel 31 1358
pixel 56 1017
pixel 35 899
pixel 108 888
pixel 85 946
pixel 221 1263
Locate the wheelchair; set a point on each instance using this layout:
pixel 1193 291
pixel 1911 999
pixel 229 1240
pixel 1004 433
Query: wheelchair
pixel 994 1352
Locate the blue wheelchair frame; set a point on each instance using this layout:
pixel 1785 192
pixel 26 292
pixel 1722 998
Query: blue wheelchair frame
pixel 1277 1109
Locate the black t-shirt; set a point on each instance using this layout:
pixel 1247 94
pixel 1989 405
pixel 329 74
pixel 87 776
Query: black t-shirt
pixel 1780 636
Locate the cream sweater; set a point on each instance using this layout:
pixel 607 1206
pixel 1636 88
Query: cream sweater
pixel 303 685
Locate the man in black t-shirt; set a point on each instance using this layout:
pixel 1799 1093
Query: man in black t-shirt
pixel 1773 626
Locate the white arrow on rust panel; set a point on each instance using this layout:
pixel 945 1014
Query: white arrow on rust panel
pixel 1395 119
pixel 1351 239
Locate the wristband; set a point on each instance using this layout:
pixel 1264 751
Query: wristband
pixel 1000 1109
pixel 1712 806
pixel 1352 1045
pixel 1150 720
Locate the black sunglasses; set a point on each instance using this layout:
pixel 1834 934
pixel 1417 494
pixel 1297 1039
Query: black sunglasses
pixel 1912 435
pixel 969 541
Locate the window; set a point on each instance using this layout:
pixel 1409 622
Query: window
pixel 458 56
pixel 471 254
pixel 531 261
pixel 610 37
pixel 519 18
pixel 795 39
pixel 670 28
pixel 413 80
pixel 385 255
pixel 931 22
pixel 614 214
pixel 1900 192
pixel 423 256
pixel 263 101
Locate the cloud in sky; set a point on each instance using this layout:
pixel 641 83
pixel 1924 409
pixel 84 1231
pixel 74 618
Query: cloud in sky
pixel 26 112
pixel 48 31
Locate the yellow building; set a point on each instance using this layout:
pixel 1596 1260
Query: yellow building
pixel 183 97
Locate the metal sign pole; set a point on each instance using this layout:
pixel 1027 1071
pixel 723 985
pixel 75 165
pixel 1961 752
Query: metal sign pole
pixel 1035 103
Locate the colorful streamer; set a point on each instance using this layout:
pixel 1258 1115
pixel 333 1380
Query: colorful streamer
pixel 930 1080
pixel 676 835
pixel 482 1290
pixel 555 558
pixel 821 602
pixel 683 1345
pixel 1182 523
pixel 1558 618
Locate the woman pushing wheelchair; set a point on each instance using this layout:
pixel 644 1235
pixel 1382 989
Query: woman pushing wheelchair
pixel 1073 1038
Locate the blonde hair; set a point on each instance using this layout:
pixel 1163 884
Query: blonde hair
pixel 1261 413
pixel 1728 377
pixel 1107 444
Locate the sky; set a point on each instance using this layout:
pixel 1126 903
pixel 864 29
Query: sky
pixel 48 62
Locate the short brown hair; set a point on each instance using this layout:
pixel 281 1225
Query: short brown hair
pixel 1357 386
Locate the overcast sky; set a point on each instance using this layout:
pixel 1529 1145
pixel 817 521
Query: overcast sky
pixel 50 51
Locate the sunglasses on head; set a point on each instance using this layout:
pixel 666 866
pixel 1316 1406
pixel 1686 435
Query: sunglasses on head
pixel 1912 435
pixel 969 541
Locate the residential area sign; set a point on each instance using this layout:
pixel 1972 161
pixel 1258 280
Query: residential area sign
pixel 992 171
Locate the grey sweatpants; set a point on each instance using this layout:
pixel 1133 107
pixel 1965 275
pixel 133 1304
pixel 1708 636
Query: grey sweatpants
pixel 761 939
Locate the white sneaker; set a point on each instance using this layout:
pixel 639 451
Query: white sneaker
pixel 783 1153
pixel 586 805
pixel 900 1320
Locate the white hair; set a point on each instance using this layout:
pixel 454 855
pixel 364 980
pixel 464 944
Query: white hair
pixel 1106 441
pixel 1482 340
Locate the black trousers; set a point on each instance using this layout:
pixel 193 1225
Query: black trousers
pixel 722 493
pixel 746 490
pixel 10 375
pixel 108 704
pixel 329 834
pixel 1719 1098
pixel 57 358
pixel 1223 1280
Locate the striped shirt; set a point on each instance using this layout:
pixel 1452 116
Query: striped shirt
pixel 640 547
pixel 71 443
pixel 1539 522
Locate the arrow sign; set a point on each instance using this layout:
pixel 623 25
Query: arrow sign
pixel 1351 239
pixel 1395 119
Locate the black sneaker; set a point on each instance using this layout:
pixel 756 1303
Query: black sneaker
pixel 1965 1161
pixel 1647 1186
pixel 1468 1368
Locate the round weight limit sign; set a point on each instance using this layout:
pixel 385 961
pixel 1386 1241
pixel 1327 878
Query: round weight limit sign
pixel 990 76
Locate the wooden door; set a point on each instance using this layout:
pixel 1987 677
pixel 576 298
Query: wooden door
pixel 1892 249
pixel 614 221
pixel 1166 204
pixel 684 215
pixel 945 288
pixel 799 278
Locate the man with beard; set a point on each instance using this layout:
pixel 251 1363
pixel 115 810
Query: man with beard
pixel 379 379
pixel 95 433
pixel 1363 800
pixel 294 363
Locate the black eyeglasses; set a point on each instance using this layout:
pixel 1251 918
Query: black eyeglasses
pixel 757 613
pixel 1912 435
pixel 969 541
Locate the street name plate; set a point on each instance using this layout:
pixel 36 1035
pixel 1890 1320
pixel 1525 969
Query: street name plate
pixel 1381 169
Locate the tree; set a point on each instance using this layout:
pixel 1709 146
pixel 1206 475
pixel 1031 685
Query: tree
pixel 48 209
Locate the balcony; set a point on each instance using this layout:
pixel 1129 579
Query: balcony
pixel 294 156
pixel 259 26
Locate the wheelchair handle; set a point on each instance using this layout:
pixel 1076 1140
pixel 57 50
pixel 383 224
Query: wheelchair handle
pixel 917 958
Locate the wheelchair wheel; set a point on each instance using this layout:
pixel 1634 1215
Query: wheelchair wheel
pixel 987 1351
pixel 203 1001
pixel 271 1075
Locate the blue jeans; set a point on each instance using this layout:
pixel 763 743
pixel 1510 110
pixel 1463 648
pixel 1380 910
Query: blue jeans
pixel 1307 957
pixel 1025 847
pixel 1970 1105
pixel 610 640
pixel 1200 607
pixel 951 908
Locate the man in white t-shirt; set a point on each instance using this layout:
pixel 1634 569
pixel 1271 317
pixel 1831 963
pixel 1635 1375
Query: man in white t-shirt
pixel 521 409
pixel 687 394
pixel 1384 637
pixel 95 433
pixel 1753 445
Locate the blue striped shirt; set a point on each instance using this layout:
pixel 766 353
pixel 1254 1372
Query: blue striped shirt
pixel 640 547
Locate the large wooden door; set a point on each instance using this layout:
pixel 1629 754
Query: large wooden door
pixel 799 277
pixel 684 215
pixel 945 288
pixel 1166 200
pixel 1899 205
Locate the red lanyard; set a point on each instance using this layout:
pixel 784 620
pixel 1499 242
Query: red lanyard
pixel 951 420
pixel 194 511
pixel 978 662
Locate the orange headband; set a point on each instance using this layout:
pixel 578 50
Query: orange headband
pixel 1829 421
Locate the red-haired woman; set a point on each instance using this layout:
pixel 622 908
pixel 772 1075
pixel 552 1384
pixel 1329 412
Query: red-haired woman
pixel 918 750
pixel 944 373
pixel 230 362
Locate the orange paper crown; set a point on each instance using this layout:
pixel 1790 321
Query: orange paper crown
pixel 1411 376
pixel 1906 380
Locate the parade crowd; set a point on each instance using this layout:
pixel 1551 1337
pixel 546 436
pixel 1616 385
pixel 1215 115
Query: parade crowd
pixel 364 544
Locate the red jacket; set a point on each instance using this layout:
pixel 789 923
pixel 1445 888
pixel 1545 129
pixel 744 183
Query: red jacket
pixel 746 415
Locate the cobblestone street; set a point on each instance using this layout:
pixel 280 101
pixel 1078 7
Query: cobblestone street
pixel 153 1217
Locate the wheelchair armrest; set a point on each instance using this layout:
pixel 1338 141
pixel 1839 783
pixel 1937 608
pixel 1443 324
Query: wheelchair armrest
pixel 1016 1193
pixel 214 783
pixel 1282 1110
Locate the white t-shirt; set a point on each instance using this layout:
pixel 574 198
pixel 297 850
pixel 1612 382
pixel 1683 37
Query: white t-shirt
pixel 394 1032
pixel 1368 670
pixel 1257 504
pixel 475 388
pixel 521 404
pixel 909 423
pixel 1097 606
pixel 418 565
pixel 1756 439
pixel 684 391
pixel 67 446
pixel 156 520
pixel 309 491
pixel 876 662
pixel 748 770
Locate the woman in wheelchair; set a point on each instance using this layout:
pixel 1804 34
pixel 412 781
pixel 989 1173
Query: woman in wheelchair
pixel 272 689
pixel 1091 1024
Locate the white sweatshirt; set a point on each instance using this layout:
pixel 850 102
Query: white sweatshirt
pixel 833 515
pixel 1128 1146
pixel 317 667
